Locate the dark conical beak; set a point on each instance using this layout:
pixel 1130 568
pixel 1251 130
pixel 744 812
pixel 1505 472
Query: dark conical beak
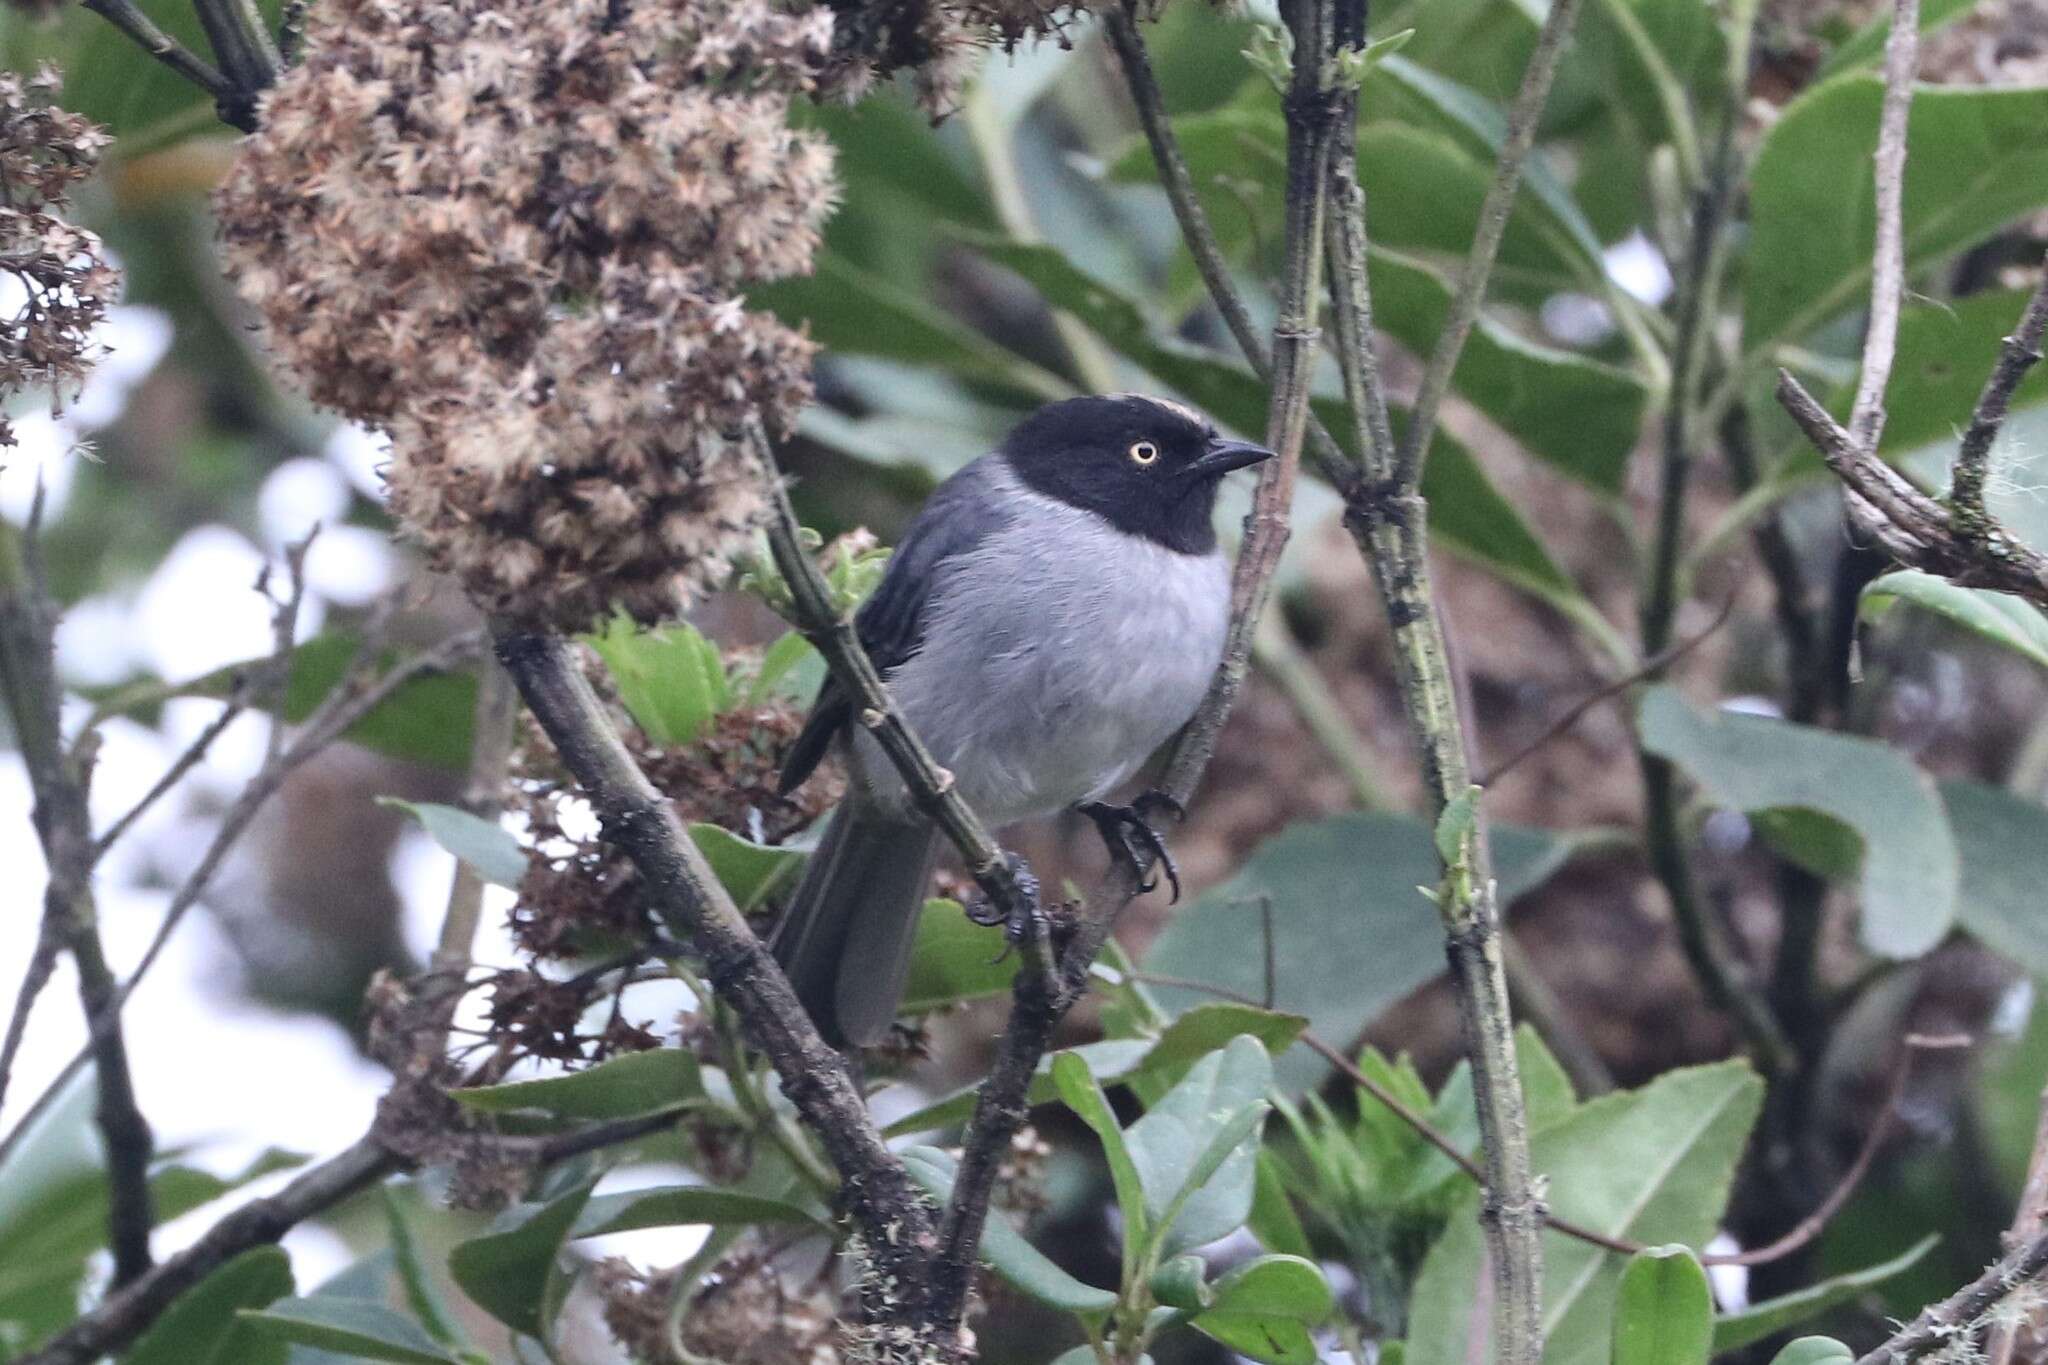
pixel 1224 455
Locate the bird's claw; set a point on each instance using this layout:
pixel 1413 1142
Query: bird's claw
pixel 1130 835
pixel 1023 919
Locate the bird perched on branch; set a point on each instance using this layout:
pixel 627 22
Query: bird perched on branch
pixel 1053 615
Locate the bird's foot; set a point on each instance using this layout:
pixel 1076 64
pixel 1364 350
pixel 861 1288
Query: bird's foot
pixel 1130 834
pixel 1025 919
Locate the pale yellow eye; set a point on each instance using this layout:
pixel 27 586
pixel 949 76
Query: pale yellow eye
pixel 1144 452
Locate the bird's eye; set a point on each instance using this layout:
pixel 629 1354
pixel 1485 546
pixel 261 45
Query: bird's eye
pixel 1144 452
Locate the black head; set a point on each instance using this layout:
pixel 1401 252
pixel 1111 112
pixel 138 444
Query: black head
pixel 1148 466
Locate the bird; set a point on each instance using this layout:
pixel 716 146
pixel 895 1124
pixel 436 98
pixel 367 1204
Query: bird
pixel 1052 616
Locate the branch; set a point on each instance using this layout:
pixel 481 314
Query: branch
pixel 2030 1220
pixel 1888 265
pixel 890 1212
pixel 1910 526
pixel 33 699
pixel 1944 1323
pixel 123 15
pixel 1494 210
pixel 483 795
pixel 246 53
pixel 2020 353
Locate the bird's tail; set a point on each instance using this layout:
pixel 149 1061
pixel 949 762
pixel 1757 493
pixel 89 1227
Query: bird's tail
pixel 845 939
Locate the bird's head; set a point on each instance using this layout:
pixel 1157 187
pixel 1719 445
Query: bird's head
pixel 1148 466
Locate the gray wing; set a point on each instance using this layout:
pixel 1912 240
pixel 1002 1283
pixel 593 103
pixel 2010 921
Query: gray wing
pixel 960 514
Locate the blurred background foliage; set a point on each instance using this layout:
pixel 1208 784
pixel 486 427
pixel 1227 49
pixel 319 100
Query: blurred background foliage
pixel 1872 761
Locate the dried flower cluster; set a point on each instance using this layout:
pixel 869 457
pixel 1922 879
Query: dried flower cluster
pixel 61 274
pixel 580 893
pixel 514 233
pixel 744 1315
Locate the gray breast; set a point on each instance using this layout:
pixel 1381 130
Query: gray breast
pixel 1057 656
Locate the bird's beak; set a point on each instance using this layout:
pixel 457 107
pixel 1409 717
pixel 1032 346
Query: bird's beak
pixel 1224 455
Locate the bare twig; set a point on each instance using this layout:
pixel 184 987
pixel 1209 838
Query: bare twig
pixel 246 52
pixel 59 779
pixel 265 682
pixel 1888 262
pixel 2020 353
pixel 1494 210
pixel 123 15
pixel 1651 667
pixel 483 795
pixel 1942 1324
pixel 1907 524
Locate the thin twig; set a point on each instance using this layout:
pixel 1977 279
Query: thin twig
pixel 1942 1324
pixel 59 779
pixel 123 15
pixel 1907 524
pixel 492 730
pixel 2020 352
pixel 246 52
pixel 1494 211
pixel 1888 261
pixel 268 678
pixel 1651 667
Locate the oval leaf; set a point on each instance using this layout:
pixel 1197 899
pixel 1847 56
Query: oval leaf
pixel 1815 1351
pixel 1910 865
pixel 1276 1287
pixel 361 1328
pixel 625 1087
pixel 201 1327
pixel 1004 1250
pixel 483 844
pixel 750 872
pixel 511 1274
pixel 1664 1311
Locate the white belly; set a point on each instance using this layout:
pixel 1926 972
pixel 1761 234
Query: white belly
pixel 1055 660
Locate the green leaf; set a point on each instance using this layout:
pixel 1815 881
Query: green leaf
pixel 1350 934
pixel 1003 1250
pixel 483 844
pixel 853 312
pixel 1179 1283
pixel 513 1273
pixel 1197 1032
pixel 672 680
pixel 1112 1061
pixel 1772 1316
pixel 687 1206
pixel 1978 159
pixel 1664 1309
pixel 1192 1151
pixel 1272 1219
pixel 50 1178
pixel 201 1327
pixel 427 720
pixel 779 673
pixel 1653 1165
pixel 1815 1351
pixel 1264 1308
pixel 750 872
pixel 1944 352
pixel 1460 817
pixel 1423 96
pixel 1750 763
pixel 2004 841
pixel 1999 617
pixel 1577 415
pixel 630 1086
pixel 361 1329
pixel 955 959
pixel 1082 1093
pixel 422 1295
